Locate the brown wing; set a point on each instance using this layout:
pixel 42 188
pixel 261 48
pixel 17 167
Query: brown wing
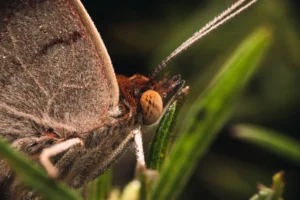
pixel 54 69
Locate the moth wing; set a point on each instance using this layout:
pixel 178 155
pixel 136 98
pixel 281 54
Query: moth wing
pixel 55 70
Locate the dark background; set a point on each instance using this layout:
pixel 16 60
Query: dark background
pixel 139 34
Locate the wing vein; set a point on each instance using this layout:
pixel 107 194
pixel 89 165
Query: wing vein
pixel 23 65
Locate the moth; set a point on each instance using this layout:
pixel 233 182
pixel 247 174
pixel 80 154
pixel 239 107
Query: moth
pixel 60 100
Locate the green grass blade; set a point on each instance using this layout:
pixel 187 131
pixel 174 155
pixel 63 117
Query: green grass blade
pixel 208 113
pixel 100 187
pixel 160 145
pixel 161 141
pixel 270 140
pixel 34 177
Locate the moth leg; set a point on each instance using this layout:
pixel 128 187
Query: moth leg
pixel 141 167
pixel 139 150
pixel 54 150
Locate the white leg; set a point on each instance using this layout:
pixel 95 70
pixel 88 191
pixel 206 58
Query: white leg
pixel 54 150
pixel 139 151
pixel 140 158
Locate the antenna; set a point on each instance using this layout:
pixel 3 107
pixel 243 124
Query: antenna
pixel 219 20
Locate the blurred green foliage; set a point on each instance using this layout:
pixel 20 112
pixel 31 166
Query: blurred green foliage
pixel 273 193
pixel 267 139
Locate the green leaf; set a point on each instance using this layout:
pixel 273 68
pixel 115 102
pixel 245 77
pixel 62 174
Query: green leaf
pixel 270 140
pixel 100 187
pixel 208 113
pixel 34 177
pixel 160 145
pixel 161 141
pixel 278 185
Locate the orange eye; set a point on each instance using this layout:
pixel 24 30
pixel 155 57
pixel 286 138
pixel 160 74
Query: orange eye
pixel 152 106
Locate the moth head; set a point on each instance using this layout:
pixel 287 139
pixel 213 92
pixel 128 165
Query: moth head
pixel 148 96
pixel 152 97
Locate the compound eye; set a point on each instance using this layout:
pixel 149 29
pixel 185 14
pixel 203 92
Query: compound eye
pixel 152 106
